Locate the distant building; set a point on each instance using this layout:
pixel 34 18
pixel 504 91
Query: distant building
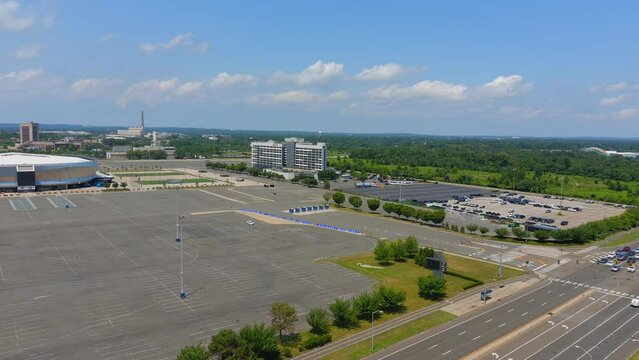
pixel 134 131
pixel 29 132
pixel 625 154
pixel 293 153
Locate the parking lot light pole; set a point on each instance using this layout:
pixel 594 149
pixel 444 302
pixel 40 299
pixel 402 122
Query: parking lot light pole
pixel 584 350
pixel 178 236
pixel 372 333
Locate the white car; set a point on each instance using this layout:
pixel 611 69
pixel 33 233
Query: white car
pixel 632 268
pixel 610 263
pixel 634 303
pixel 250 222
pixel 611 255
pixel 615 268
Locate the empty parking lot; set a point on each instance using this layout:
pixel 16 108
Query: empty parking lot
pixel 99 279
pixel 422 192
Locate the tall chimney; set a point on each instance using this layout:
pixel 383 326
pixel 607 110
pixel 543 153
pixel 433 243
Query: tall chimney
pixel 142 118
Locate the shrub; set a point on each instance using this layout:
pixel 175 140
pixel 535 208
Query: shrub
pixel 384 252
pixel 412 247
pixel 319 320
pixel 366 303
pixel 373 204
pixel 391 300
pixel 483 230
pixel 501 232
pixel 431 287
pixel 317 341
pixel 344 314
pixel 287 353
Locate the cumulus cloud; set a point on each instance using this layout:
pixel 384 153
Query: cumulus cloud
pixel 189 88
pixel 425 89
pixel 621 86
pixel 226 79
pixel 317 73
pixel 380 72
pixel 149 91
pixel 615 100
pixel 23 75
pixel 92 86
pixel 28 52
pixel 12 18
pixel 505 86
pixel 109 37
pixel 180 41
pixel 626 114
pixel 300 97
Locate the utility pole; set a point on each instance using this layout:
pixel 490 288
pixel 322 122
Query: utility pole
pixel 178 238
pixel 501 251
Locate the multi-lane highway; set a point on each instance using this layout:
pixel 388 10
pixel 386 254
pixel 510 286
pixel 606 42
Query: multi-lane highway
pixel 583 311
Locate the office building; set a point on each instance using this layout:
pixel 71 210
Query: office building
pixel 29 131
pixel 293 153
pixel 134 131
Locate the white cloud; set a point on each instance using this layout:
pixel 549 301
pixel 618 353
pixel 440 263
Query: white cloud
pixel 11 18
pixel 184 41
pixel 300 97
pixel 92 86
pixel 425 89
pixel 149 91
pixel 28 52
pixel 626 114
pixel 615 100
pixel 109 37
pixel 189 88
pixel 505 86
pixel 225 79
pixel 380 72
pixel 23 75
pixel 621 86
pixel 317 73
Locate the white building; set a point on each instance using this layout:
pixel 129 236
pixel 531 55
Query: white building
pixel 293 153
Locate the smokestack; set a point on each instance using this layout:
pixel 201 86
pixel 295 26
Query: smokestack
pixel 142 118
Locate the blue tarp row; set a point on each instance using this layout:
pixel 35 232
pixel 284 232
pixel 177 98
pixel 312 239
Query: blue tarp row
pixel 324 226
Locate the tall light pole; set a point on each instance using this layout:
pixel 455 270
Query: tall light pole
pixel 584 350
pixel 178 236
pixel 372 333
pixel 501 251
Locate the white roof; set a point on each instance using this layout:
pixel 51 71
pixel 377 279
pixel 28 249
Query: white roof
pixel 13 159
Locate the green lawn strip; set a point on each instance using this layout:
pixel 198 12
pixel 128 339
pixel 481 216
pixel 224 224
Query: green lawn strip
pixel 184 181
pixel 635 356
pixel 142 174
pixel 623 239
pixel 388 338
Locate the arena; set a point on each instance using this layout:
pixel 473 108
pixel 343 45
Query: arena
pixel 34 172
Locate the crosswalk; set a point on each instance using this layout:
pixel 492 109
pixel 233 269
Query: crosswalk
pixel 594 258
pixel 596 288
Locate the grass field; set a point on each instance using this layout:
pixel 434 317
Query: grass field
pixel 143 174
pixel 635 356
pixel 623 239
pixel 363 348
pixel 184 181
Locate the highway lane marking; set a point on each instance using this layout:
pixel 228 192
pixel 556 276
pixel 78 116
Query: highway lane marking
pixel 531 300
pixel 553 325
pixel 447 352
pixel 544 303
pixel 476 337
pixel 609 335
pixel 502 325
pixel 432 347
pixel 462 333
pixel 576 326
pixel 622 344
pixel 487 321
pixel 463 322
pixel 524 314
pixel 562 294
pixel 549 291
pixel 511 310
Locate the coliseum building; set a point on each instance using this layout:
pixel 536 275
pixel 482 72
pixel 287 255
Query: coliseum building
pixel 34 172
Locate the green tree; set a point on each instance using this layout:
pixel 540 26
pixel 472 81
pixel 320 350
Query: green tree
pixel 373 204
pixel 541 235
pixel 472 227
pixel 384 252
pixel 422 255
pixel 520 233
pixel 344 314
pixel 261 340
pixel 391 300
pixel 327 185
pixel 399 250
pixel 412 247
pixel 224 344
pixel 483 230
pixel 501 232
pixel 327 196
pixel 283 318
pixel 319 320
pixel 339 197
pixel 431 287
pixel 193 352
pixel 124 184
pixel 115 185
pixel 389 207
pixel 355 201
pixel 366 303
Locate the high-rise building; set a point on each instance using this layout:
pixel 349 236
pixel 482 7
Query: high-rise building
pixel 293 153
pixel 29 131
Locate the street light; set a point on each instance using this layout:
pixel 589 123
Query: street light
pixel 372 333
pixel 178 235
pixel 584 350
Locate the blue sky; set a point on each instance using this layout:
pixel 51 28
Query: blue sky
pixel 542 68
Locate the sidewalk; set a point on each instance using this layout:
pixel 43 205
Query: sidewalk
pixel 455 304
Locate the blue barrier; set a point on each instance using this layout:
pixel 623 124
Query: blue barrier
pixel 324 226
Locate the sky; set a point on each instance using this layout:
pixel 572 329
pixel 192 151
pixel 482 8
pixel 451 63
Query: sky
pixel 521 68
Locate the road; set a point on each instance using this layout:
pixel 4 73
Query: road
pixel 600 323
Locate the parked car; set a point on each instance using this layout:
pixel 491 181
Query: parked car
pixel 602 260
pixel 632 268
pixel 626 248
pixel 610 263
pixel 564 223
pixel 615 268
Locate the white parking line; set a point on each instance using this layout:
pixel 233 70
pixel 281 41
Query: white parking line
pixel 432 347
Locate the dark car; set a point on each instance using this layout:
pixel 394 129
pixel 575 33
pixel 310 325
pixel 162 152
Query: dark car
pixel 564 223
pixel 602 261
pixel 626 248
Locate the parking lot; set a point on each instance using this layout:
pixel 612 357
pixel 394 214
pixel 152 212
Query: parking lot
pixel 545 208
pixel 100 279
